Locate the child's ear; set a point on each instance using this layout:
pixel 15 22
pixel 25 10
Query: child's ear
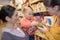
pixel 8 18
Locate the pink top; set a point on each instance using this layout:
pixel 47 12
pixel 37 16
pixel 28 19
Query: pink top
pixel 25 23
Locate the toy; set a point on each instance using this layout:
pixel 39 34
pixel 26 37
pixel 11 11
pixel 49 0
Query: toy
pixel 40 25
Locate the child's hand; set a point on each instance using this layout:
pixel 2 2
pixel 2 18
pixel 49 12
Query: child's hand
pixel 43 29
pixel 34 23
pixel 31 30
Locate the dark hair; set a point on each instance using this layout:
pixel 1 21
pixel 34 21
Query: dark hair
pixel 55 2
pixel 39 14
pixel 36 14
pixel 6 11
pixel 47 2
pixel 51 2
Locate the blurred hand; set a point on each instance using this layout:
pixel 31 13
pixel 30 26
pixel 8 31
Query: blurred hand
pixel 34 23
pixel 43 29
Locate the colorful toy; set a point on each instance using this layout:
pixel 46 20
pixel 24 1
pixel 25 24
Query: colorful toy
pixel 40 25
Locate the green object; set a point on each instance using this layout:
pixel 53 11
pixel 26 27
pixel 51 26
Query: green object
pixel 40 25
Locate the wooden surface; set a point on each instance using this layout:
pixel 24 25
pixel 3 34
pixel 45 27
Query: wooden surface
pixel 34 1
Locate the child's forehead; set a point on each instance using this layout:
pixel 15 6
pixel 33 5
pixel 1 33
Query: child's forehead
pixel 29 10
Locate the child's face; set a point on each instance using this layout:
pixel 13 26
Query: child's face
pixel 28 14
pixel 38 18
pixel 53 10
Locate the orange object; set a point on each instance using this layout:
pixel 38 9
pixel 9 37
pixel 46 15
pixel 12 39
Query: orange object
pixel 25 23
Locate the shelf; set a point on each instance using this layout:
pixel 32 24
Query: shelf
pixel 34 1
pixel 1 6
pixel 39 7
